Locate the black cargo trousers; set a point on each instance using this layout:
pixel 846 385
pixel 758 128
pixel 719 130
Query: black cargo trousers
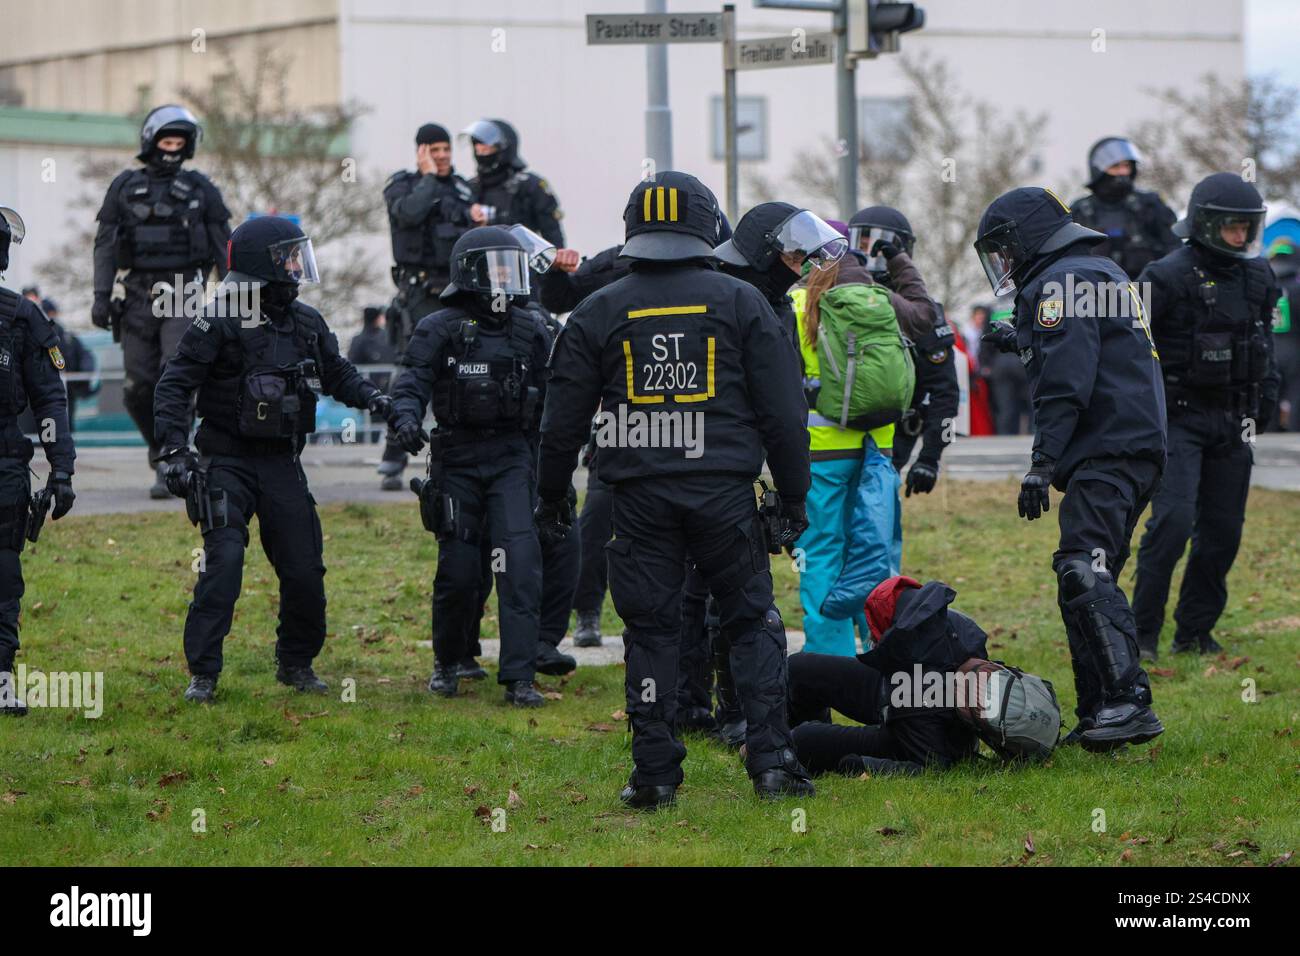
pixel 492 481
pixel 15 490
pixel 713 520
pixel 273 487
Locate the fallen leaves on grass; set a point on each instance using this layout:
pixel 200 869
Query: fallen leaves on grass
pixel 173 776
pixel 11 796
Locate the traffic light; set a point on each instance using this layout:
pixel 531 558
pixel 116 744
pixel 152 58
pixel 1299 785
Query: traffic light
pixel 874 26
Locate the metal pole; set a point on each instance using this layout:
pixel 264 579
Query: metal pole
pixel 846 104
pixel 658 114
pixel 729 109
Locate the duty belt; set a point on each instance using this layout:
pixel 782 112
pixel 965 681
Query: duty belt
pixel 453 437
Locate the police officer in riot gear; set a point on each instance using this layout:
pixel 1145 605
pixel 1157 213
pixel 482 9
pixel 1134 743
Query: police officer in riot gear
pixel 29 375
pixel 883 233
pixel 480 362
pixel 504 191
pixel 677 348
pixel 428 210
pixel 1212 304
pixel 161 227
pixel 1099 414
pixel 257 357
pixel 1135 222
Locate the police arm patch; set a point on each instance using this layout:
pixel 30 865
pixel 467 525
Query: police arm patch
pixel 1050 313
pixel 56 357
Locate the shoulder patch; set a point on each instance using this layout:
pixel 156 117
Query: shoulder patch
pixel 1050 313
pixel 939 357
pixel 56 357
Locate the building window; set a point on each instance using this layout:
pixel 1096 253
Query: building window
pixel 751 128
pixel 884 127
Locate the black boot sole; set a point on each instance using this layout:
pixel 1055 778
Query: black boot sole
pixel 587 642
pixel 648 803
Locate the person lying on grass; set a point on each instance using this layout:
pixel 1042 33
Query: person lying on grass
pixel 898 689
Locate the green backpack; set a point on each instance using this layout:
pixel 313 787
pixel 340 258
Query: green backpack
pixel 867 373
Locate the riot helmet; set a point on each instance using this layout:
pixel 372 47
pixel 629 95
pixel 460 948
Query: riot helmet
pixel 671 217
pixel 488 261
pixel 169 120
pixel 503 139
pixel 541 254
pixel 1023 225
pixel 777 232
pixel 1104 154
pixel 1225 216
pixel 12 230
pixel 880 224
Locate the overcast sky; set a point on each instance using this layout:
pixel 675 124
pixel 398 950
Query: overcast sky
pixel 1273 39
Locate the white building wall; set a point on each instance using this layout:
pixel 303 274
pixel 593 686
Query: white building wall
pixel 580 109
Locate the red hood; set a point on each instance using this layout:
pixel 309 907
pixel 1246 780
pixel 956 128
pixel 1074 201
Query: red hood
pixel 882 602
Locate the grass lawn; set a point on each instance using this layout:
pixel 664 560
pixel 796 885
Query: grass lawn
pixel 398 777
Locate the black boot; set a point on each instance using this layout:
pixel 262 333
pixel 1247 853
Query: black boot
pixel 1118 723
pixel 649 797
pixel 202 689
pixel 551 662
pixel 470 669
pixel 780 782
pixel 1185 644
pixel 522 693
pixel 588 632
pixel 11 705
pixel 445 681
pixel 729 717
pixel 301 678
pixel 158 490
pixel 391 469
pixel 1209 645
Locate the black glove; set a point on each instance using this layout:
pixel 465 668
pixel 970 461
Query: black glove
pixel 921 478
pixel 553 520
pixel 411 437
pixel 99 312
pixel 794 521
pixel 60 485
pixel 883 247
pixel 381 405
pixel 1001 335
pixel 1033 489
pixel 176 475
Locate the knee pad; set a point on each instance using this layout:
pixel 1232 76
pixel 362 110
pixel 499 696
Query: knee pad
pixel 1076 579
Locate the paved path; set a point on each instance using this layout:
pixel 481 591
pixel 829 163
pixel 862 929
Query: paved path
pixel 115 480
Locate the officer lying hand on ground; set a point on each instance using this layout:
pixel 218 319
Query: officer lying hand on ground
pixel 480 363
pixel 257 359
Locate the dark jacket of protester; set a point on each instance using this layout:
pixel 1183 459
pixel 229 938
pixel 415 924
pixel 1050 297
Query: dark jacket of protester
pixel 917 633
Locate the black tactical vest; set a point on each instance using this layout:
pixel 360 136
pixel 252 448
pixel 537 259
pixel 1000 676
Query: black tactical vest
pixel 1216 342
pixel 1127 226
pixel 161 223
pixel 484 383
pixel 274 394
pixel 427 246
pixel 13 343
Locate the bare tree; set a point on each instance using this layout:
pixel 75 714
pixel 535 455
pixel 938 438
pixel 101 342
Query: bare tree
pixel 1245 127
pixel 266 157
pixel 963 155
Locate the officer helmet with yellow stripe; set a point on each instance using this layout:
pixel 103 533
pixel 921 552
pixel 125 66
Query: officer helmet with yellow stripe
pixel 670 217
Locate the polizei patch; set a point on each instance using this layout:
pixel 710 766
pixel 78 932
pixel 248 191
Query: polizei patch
pixel 472 368
pixel 1050 313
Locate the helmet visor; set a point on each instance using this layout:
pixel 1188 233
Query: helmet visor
pixel 1001 254
pixel 293 260
pixel 1114 151
pixel 1234 232
pixel 541 254
pixel 807 235
pixel 495 271
pixel 866 237
pixel 14 222
pixel 173 121
pixel 484 131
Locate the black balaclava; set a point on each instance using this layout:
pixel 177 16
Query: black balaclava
pixel 1112 188
pixel 162 163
